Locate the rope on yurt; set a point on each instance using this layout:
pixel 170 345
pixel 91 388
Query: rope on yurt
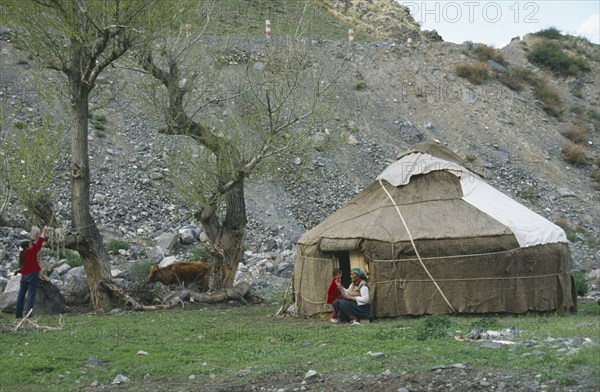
pixel 415 247
pixel 451 256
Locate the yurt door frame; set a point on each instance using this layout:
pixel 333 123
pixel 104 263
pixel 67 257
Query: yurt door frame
pixel 347 261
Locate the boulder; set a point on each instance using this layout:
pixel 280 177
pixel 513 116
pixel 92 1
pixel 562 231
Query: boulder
pixel 48 299
pixel 75 287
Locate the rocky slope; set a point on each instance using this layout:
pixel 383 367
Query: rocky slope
pixel 393 96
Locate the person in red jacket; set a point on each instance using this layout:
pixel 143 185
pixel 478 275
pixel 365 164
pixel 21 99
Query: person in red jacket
pixel 333 293
pixel 30 269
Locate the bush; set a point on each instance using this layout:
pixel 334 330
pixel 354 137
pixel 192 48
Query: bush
pixel 474 73
pixel 115 245
pixel 516 78
pixel 200 254
pixel 485 53
pixel 550 33
pixel 574 153
pixel 549 98
pixel 577 133
pixel 139 270
pixel 433 327
pixel 71 257
pixel 485 323
pixel 550 55
pixel 581 283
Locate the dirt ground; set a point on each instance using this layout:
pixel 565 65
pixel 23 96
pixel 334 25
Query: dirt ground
pixel 446 379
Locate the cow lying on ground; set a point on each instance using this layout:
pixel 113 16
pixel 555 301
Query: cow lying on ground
pixel 195 273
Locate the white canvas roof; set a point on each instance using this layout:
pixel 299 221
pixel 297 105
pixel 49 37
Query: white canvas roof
pixel 529 228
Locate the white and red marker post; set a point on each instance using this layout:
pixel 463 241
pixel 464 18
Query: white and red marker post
pixel 350 36
pixel 268 29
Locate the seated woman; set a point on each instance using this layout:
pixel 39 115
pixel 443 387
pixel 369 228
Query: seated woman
pixel 354 305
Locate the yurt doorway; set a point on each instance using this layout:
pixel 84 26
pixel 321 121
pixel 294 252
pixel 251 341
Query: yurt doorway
pixel 347 261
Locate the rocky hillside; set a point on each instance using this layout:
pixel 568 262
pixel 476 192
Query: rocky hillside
pixel 394 95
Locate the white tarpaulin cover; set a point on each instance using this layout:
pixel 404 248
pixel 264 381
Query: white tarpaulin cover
pixel 529 228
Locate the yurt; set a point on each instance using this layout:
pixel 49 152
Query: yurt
pixel 435 238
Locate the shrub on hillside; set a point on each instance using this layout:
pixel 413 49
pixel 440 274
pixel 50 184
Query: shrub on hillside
pixel 475 73
pixel 574 153
pixel 550 55
pixel 549 33
pixel 485 53
pixel 549 97
pixel 577 133
pixel 516 78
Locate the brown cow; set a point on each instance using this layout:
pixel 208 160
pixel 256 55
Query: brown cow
pixel 182 273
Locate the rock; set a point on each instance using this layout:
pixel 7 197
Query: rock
pixel 497 66
pixel 168 240
pixel 311 374
pixel 156 254
pixel 376 354
pixel 75 287
pixel 243 372
pixel 120 379
pixel 93 362
pixel 141 352
pixel 167 261
pixel 48 298
pixel 187 236
pixel 565 192
pixel 492 345
pixel 62 269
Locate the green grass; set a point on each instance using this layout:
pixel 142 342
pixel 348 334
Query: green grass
pixel 213 343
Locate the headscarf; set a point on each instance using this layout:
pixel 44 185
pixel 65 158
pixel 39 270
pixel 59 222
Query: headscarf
pixel 360 273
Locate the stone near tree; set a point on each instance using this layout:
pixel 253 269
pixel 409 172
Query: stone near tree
pixel 48 298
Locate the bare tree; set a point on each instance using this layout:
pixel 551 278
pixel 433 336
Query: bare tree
pixel 79 39
pixel 237 110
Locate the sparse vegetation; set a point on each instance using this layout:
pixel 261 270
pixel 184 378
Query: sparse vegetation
pixel 71 257
pixel 550 33
pixel 577 133
pixel 516 78
pixel 550 55
pixel 475 73
pixel 528 194
pixel 548 96
pixel 485 53
pixel 433 327
pixel 574 153
pixel 139 270
pixel 115 245
pixel 581 283
pixel 200 253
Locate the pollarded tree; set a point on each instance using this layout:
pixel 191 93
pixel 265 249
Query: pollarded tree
pixel 79 39
pixel 237 110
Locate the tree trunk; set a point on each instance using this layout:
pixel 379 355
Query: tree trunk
pixel 225 262
pixel 90 246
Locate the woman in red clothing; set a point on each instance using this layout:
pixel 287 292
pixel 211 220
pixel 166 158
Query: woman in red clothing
pixel 29 268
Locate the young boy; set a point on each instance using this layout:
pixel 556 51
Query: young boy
pixel 334 293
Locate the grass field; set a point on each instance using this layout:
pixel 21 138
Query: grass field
pixel 215 343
